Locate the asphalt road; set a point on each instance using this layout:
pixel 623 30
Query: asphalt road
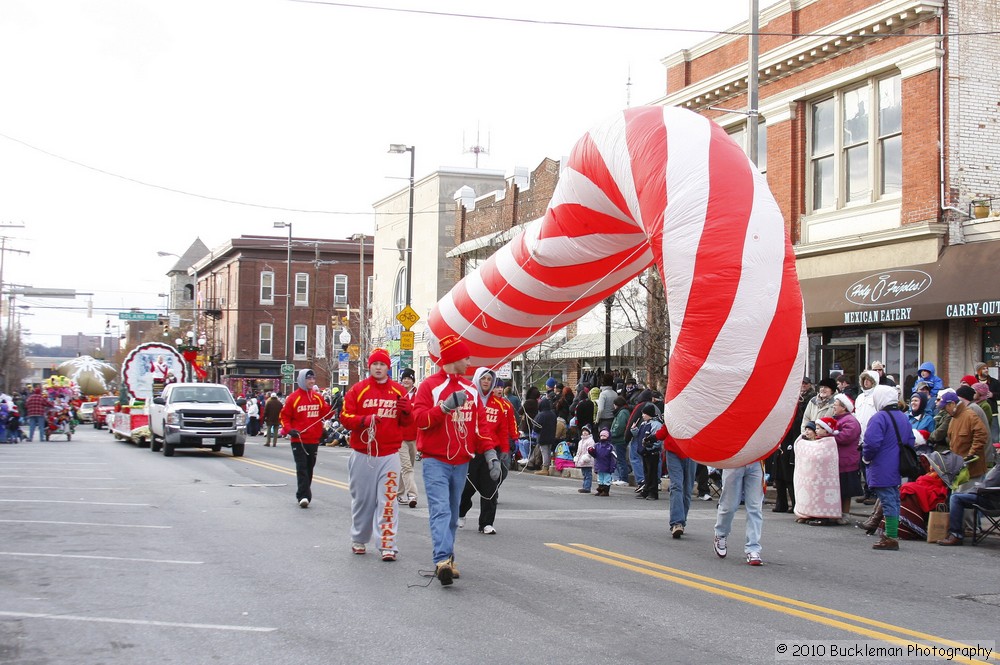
pixel 112 554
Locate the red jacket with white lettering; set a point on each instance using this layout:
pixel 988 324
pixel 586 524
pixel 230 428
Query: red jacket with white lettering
pixel 305 411
pixel 501 423
pixel 450 437
pixel 369 398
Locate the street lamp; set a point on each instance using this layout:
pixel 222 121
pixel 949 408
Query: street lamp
pixel 288 283
pixel 362 312
pixel 400 148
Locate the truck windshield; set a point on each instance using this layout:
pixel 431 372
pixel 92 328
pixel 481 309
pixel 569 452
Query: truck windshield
pixel 106 401
pixel 206 394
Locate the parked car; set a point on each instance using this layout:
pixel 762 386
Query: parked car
pixel 104 407
pixel 85 414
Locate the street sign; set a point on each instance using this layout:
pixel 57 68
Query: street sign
pixel 407 317
pixel 505 371
pixel 343 356
pixel 406 340
pixel 137 316
pixel 287 372
pixel 175 320
pixel 344 376
pixel 405 359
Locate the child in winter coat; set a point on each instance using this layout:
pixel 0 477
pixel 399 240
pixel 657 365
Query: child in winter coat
pixel 563 458
pixel 583 460
pixel 651 450
pixel 605 461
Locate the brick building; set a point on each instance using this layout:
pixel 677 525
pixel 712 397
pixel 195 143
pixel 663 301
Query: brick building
pixel 241 308
pixel 878 123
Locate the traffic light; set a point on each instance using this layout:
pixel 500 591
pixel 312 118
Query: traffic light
pixel 166 330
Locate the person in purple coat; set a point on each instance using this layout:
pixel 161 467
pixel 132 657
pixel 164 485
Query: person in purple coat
pixel 886 431
pixel 605 461
pixel 848 456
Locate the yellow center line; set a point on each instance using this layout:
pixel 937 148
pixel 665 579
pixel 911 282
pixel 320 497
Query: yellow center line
pixel 704 584
pixel 322 480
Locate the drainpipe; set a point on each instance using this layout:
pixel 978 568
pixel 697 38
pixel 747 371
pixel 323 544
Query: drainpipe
pixel 941 134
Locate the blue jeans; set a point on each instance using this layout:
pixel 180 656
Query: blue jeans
pixel 681 472
pixel 889 496
pixel 443 485
pixel 747 484
pixel 588 476
pixel 636 460
pixel 959 503
pixel 36 422
pixel 621 465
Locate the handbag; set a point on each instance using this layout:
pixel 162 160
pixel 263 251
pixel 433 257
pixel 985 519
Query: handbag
pixel 909 464
pixel 937 524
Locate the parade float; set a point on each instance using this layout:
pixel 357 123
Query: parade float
pixel 146 370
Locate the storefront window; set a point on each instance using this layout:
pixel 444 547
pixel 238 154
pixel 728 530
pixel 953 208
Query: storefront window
pixel 900 351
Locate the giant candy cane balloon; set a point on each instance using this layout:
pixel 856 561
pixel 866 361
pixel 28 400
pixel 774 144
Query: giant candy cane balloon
pixel 666 186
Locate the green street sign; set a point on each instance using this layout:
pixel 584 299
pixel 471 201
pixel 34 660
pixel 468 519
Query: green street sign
pixel 287 372
pixel 137 316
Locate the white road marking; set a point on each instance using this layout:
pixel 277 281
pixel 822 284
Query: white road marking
pixel 124 526
pixel 82 503
pixel 137 622
pixel 103 558
pixel 60 477
pixel 20 487
pixel 60 463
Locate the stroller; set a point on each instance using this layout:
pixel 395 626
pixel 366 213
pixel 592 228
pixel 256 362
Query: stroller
pixel 58 423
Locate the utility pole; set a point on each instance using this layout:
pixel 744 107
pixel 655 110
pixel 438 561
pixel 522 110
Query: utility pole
pixel 3 254
pixel 753 81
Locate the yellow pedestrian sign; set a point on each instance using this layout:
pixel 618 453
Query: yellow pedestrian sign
pixel 407 317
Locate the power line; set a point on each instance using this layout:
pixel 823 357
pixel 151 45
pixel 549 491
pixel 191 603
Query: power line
pixel 637 28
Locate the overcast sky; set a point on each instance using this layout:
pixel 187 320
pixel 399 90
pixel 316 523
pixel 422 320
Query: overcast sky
pixel 271 104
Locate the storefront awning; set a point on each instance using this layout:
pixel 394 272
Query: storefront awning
pixel 964 283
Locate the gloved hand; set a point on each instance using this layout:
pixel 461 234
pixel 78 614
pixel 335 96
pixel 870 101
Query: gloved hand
pixel 403 406
pixel 591 451
pixel 494 464
pixel 454 401
pixel 294 434
pixel 649 439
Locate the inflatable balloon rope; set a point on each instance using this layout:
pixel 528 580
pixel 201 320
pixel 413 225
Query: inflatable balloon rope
pixel 665 186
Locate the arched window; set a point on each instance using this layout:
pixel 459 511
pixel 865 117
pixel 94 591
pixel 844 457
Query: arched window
pixel 399 292
pixel 189 291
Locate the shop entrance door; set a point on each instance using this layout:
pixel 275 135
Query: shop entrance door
pixel 836 359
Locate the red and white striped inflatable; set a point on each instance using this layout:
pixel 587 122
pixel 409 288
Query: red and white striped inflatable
pixel 666 186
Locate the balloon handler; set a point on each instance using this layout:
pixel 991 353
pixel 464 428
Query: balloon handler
pixel 450 417
pixel 376 411
pixel 301 420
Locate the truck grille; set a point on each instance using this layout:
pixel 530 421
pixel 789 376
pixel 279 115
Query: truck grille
pixel 202 420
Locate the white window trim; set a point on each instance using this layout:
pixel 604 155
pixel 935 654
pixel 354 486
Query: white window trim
pixel 261 338
pixel 304 300
pixel 337 299
pixel 838 152
pixel 260 291
pixel 304 340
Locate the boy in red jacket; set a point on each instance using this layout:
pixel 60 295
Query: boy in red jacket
pixel 376 411
pixel 450 415
pixel 302 419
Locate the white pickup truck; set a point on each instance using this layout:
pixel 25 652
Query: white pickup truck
pixel 196 415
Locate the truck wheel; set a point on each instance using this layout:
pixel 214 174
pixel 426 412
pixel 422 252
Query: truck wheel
pixel 69 437
pixel 168 450
pixel 154 445
pixel 142 442
pixel 97 425
pixel 238 449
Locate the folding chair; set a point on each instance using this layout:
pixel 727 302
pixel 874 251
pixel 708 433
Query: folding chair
pixel 987 505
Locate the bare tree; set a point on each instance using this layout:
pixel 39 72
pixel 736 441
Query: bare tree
pixel 643 306
pixel 13 367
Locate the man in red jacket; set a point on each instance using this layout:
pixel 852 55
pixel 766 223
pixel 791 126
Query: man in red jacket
pixel 376 411
pixel 302 419
pixel 450 415
pixel 408 450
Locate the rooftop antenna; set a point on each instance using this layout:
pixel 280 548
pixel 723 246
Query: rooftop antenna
pixel 478 148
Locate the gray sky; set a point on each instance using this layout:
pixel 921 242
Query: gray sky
pixel 283 104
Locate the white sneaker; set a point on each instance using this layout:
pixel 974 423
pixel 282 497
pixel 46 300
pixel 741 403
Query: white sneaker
pixel 753 558
pixel 461 522
pixel 303 503
pixel 489 530
pixel 619 483
pixel 720 547
pixel 706 497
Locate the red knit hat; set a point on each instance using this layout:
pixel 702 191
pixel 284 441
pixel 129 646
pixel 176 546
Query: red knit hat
pixel 829 424
pixel 379 356
pixel 452 348
pixel 969 379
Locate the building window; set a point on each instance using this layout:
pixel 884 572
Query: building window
pixel 264 348
pixel 855 154
pixel 340 289
pixel 899 351
pixel 267 288
pixel 301 288
pixel 301 338
pixel 399 292
pixel 740 136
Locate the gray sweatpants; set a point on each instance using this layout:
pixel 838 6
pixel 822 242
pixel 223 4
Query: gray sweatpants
pixel 374 482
